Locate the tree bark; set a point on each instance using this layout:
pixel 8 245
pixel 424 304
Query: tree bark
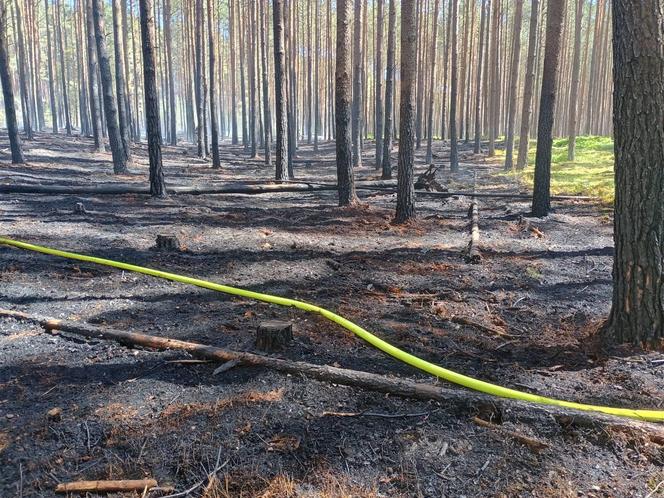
pixel 63 76
pixel 432 92
pixel 93 83
pixel 120 85
pixel 357 83
pixel 110 107
pixel 378 120
pixel 406 190
pixel 198 78
pixel 281 144
pixel 514 77
pixel 216 163
pixel 157 183
pixel 576 67
pixel 231 41
pixel 267 139
pixel 389 92
pixel 343 105
pixel 528 88
pixel 494 82
pixel 478 86
pixel 168 42
pixel 8 91
pixel 454 151
pixel 542 181
pixel 22 64
pixel 51 74
pixel 637 315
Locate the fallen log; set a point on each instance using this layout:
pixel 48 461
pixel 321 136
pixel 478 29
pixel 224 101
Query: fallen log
pixel 473 253
pixel 354 378
pixel 125 485
pixel 251 189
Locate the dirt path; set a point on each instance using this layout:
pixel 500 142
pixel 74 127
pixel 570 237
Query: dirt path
pixel 543 284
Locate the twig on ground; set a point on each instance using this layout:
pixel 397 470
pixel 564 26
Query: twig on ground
pixel 534 444
pixel 372 414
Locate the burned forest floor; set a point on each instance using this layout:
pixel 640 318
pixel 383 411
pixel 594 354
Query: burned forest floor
pixel 525 317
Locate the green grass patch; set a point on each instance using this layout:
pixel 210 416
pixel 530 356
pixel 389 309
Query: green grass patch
pixel 591 173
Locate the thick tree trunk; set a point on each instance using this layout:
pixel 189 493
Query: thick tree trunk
pixel 389 93
pixel 8 91
pixel 63 75
pixel 528 88
pixel 454 151
pixel 478 85
pixel 576 67
pixel 406 190
pixel 343 104
pixel 51 73
pixel 120 85
pixel 432 83
pixel 514 77
pixel 542 187
pixel 281 144
pixel 93 84
pixel 637 314
pixel 157 183
pixel 110 108
pixel 357 83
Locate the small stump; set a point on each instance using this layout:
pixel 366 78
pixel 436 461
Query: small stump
pixel 167 243
pixel 273 335
pixel 79 208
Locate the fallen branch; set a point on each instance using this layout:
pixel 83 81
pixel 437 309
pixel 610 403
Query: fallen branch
pixel 391 385
pixel 106 486
pixel 534 444
pixel 473 255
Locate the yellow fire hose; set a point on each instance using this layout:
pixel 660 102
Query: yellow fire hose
pixel 399 354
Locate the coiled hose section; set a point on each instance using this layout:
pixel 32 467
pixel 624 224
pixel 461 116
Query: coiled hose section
pixel 399 354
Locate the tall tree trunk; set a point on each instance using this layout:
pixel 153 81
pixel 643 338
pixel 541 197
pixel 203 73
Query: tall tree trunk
pixel 378 56
pixel 317 56
pixel 344 105
pixel 157 183
pixel 168 42
pixel 63 75
pixel 93 84
pixel 542 187
pixel 389 92
pixel 434 43
pixel 357 83
pixel 252 78
pixel 514 77
pixel 637 315
pixel 8 92
pixel 528 88
pixel 494 82
pixel 198 78
pixel 405 188
pixel 576 67
pixel 243 100
pixel 478 85
pixel 120 86
pixel 454 151
pixel 231 41
pixel 216 162
pixel 110 108
pixel 266 94
pixel 22 64
pixel 281 145
pixel 51 75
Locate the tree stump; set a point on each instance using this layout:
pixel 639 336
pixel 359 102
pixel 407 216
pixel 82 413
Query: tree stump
pixel 167 243
pixel 79 208
pixel 273 335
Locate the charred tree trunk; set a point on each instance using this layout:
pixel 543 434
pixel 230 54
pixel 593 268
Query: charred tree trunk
pixel 542 187
pixel 405 189
pixel 267 117
pixel 378 120
pixel 51 73
pixel 514 77
pixel 157 183
pixel 63 75
pixel 434 43
pixel 357 83
pixel 478 86
pixel 454 151
pixel 120 85
pixel 198 78
pixel 231 41
pixel 8 91
pixel 93 84
pixel 389 92
pixel 528 88
pixel 110 108
pixel 281 144
pixel 171 79
pixel 343 105
pixel 637 315
pixel 216 162
pixel 22 64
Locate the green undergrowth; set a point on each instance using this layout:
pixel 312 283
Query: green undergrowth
pixel 591 173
